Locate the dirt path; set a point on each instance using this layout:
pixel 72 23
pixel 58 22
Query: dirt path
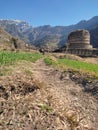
pixel 64 94
pixel 39 97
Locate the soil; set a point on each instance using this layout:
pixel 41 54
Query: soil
pixel 47 98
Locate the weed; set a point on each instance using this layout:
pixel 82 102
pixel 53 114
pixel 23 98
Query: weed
pixel 45 107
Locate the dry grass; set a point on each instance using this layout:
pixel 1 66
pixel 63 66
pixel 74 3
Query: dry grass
pixel 38 96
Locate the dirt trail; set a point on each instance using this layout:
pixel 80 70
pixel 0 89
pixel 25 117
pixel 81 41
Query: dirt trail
pixel 45 98
pixel 67 95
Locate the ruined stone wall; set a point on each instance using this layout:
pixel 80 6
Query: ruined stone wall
pixel 79 43
pixel 81 52
pixel 79 39
pixel 79 46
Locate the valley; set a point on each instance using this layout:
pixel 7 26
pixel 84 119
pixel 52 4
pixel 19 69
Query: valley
pixel 48 36
pixel 41 89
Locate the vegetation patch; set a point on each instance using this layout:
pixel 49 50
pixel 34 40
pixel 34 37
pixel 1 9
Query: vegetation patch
pixel 73 65
pixel 45 107
pixel 79 65
pixel 50 61
pixel 7 58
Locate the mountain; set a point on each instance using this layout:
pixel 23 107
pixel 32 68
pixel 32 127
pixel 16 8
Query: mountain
pixel 5 39
pixel 48 42
pixel 94 37
pixel 47 35
pixel 17 28
pixel 8 42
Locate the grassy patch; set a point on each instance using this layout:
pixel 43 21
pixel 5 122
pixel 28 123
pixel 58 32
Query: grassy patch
pixel 45 107
pixel 79 65
pixel 11 57
pixel 50 61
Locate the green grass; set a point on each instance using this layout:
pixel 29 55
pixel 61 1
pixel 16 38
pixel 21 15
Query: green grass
pixel 7 58
pixel 49 61
pixel 45 107
pixel 74 65
pixel 79 65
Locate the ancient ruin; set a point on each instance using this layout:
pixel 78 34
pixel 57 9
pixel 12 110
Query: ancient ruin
pixel 79 43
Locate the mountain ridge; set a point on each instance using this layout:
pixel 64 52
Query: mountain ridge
pixel 35 35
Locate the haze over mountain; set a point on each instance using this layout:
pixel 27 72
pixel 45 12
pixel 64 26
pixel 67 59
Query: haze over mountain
pixel 47 35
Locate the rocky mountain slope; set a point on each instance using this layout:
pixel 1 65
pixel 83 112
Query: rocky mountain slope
pixel 9 42
pixel 94 37
pixel 5 38
pixel 39 36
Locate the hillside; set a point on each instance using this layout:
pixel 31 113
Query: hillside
pixel 8 42
pixel 94 37
pixel 48 42
pixel 5 40
pixel 43 34
pixel 36 94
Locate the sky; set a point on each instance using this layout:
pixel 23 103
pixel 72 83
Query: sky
pixel 49 12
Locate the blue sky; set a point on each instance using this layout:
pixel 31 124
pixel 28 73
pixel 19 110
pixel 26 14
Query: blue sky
pixel 52 12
